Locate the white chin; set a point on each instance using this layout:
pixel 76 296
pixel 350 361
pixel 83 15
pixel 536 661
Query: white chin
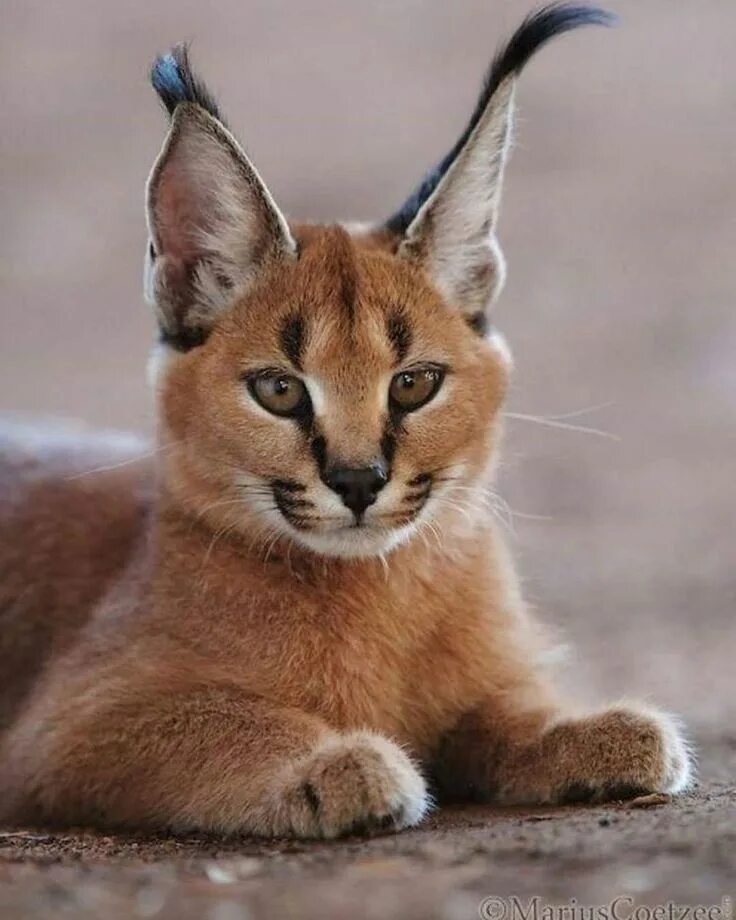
pixel 353 542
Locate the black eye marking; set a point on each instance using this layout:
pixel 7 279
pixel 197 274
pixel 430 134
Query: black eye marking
pixel 292 340
pixel 388 442
pixel 399 335
pixel 318 446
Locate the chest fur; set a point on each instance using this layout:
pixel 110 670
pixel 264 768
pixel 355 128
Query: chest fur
pixel 403 653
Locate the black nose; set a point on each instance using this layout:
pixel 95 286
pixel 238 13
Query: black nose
pixel 357 488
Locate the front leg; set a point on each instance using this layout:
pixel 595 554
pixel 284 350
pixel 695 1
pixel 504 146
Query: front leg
pixel 203 757
pixel 540 755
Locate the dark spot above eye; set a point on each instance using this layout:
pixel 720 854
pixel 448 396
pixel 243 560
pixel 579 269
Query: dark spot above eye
pixel 399 335
pixel 292 340
pixel 479 322
pixel 183 338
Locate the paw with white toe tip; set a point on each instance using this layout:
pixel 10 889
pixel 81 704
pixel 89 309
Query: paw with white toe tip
pixel 622 752
pixel 356 783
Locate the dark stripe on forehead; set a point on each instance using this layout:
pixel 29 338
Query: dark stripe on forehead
pixel 342 257
pixel 348 292
pixel 399 335
pixel 292 340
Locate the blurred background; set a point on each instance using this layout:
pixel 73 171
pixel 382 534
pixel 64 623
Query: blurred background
pixel 619 226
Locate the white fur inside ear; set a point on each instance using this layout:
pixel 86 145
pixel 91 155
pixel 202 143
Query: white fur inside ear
pixel 453 233
pixel 211 221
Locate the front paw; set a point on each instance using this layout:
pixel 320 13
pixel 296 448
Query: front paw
pixel 360 782
pixel 620 753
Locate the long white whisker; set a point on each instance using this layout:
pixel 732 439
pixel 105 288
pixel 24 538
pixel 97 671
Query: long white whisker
pixel 221 504
pixel 561 417
pixel 565 426
pixel 491 501
pixel 228 528
pixel 419 532
pixel 486 495
pixel 271 545
pixel 385 566
pixel 116 466
pixel 430 525
pixel 215 537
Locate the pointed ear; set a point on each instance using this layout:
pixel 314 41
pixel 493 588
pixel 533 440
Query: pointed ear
pixel 213 224
pixel 454 233
pixel 449 223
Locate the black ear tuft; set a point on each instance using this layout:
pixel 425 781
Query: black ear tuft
pixel 174 81
pixel 536 30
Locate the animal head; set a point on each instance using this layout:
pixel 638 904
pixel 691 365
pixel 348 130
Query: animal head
pixel 337 386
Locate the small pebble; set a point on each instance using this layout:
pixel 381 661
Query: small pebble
pixel 219 874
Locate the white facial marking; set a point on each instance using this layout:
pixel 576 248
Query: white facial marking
pixel 316 394
pixel 333 530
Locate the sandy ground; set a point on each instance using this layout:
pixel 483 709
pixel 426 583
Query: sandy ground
pixel 620 233
pixel 680 853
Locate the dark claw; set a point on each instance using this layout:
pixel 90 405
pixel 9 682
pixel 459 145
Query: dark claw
pixel 312 797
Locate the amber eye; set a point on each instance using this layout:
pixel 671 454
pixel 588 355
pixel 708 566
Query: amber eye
pixel 410 390
pixel 281 394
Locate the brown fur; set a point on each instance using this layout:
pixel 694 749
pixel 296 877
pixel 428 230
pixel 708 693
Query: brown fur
pixel 178 652
pixel 192 680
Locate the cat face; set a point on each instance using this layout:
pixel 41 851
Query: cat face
pixel 337 388
pixel 340 403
